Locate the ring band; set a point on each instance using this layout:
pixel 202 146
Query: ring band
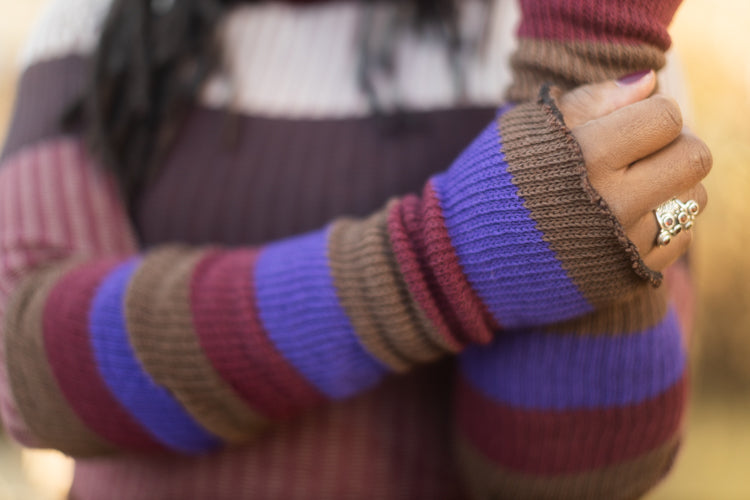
pixel 673 216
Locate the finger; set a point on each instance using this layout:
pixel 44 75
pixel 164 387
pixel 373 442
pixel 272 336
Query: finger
pixel 660 176
pixel 644 233
pixel 596 100
pixel 629 134
pixel 662 257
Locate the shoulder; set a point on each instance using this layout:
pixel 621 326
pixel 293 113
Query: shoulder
pixel 65 27
pixel 53 69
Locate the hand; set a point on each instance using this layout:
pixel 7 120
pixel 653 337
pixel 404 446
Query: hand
pixel 637 157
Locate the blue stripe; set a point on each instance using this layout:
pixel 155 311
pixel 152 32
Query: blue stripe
pixel 544 371
pixel 504 256
pixel 302 315
pixel 152 405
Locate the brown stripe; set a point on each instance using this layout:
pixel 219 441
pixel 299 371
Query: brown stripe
pixel 569 64
pixel 386 318
pixel 628 480
pixel 40 400
pixel 548 169
pixel 160 327
pixel 644 309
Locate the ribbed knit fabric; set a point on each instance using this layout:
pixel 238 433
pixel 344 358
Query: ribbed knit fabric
pixel 570 42
pixel 279 365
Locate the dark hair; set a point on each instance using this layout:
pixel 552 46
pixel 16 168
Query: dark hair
pixel 152 59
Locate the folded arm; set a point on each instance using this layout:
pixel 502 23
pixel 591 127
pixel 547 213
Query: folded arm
pixel 591 407
pixel 188 349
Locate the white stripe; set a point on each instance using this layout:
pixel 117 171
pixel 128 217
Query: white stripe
pixel 294 62
pixel 65 27
pixel 300 62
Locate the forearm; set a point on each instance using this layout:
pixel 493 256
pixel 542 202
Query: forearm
pixel 225 340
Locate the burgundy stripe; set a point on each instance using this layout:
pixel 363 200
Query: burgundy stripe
pixel 85 202
pixel 33 184
pixel 12 217
pixel 641 21
pixel 66 340
pixel 353 165
pixel 62 175
pixel 404 222
pixel 467 316
pixel 557 442
pixel 227 322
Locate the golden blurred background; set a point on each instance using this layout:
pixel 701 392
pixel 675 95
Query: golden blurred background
pixel 711 39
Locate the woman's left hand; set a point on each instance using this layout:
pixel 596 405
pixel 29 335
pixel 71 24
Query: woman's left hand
pixel 638 156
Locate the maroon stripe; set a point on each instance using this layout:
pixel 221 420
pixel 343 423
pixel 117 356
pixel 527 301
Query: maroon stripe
pixel 558 442
pixel 629 22
pixel 226 319
pixel 66 340
pixel 60 174
pixel 404 222
pixel 467 316
pixel 626 480
pixel 284 177
pixel 85 203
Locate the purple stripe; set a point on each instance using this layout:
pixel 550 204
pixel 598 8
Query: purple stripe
pixel 152 405
pixel 558 372
pixel 505 258
pixel 301 312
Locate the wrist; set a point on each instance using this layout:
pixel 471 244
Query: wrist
pixel 536 242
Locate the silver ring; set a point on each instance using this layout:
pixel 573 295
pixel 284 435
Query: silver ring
pixel 673 216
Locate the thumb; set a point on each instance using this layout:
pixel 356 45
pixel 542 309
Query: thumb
pixel 593 101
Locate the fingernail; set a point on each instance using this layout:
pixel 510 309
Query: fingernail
pixel 633 77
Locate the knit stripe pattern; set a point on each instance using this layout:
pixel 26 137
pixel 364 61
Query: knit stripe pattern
pixel 308 366
pixel 562 424
pixel 568 43
pixel 603 407
pixel 340 332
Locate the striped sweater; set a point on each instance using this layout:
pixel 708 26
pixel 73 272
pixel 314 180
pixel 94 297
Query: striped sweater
pixel 283 319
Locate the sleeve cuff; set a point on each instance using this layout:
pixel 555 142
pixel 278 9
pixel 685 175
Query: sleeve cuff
pixel 548 169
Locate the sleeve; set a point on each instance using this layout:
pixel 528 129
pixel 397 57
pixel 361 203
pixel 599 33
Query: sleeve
pixel 186 349
pixel 572 42
pixel 591 407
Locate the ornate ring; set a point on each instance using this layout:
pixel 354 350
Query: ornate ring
pixel 673 216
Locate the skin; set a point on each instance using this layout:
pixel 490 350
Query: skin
pixel 638 156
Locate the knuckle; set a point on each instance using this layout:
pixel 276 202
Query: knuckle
pixel 585 94
pixel 581 105
pixel 593 150
pixel 670 116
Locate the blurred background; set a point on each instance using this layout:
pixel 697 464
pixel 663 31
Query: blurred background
pixel 711 39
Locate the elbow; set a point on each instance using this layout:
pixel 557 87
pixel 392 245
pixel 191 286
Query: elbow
pixel 547 416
